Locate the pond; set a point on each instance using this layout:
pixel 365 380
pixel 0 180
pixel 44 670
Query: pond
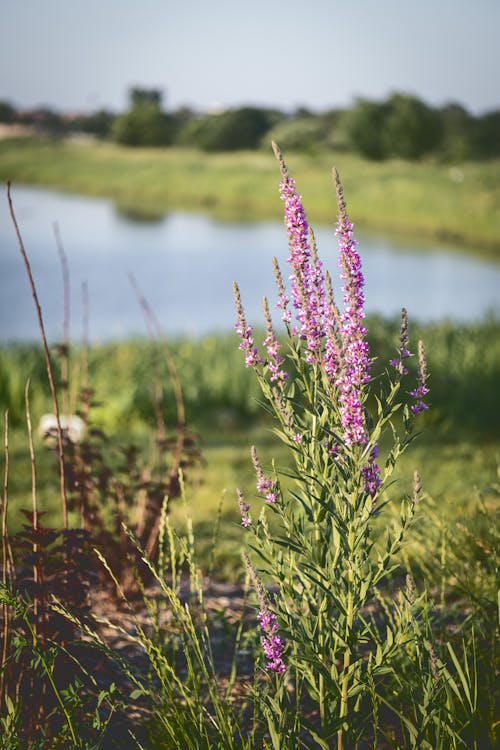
pixel 185 264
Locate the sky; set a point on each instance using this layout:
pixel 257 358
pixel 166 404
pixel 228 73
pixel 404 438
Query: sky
pixel 81 55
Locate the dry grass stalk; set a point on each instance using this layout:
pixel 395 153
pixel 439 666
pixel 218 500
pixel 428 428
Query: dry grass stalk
pixel 5 608
pixel 66 317
pixel 48 361
pixel 155 335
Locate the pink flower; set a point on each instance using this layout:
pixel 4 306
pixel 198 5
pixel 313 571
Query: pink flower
pixel 421 391
pixel 244 508
pixel 371 474
pixel 403 350
pixel 271 642
pixel 245 332
pixel 355 362
pixel 265 485
pixel 307 271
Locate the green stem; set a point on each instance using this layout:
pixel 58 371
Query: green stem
pixel 321 685
pixel 347 652
pixel 317 538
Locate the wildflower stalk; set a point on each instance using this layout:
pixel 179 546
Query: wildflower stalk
pixel 34 519
pixel 347 653
pixel 48 361
pixel 326 559
pixel 5 608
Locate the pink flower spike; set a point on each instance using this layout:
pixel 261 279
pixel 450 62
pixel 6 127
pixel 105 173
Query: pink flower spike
pixel 307 289
pixel 403 350
pixel 421 391
pixel 355 370
pixel 265 485
pixel 244 508
pixel 272 644
pixel 252 358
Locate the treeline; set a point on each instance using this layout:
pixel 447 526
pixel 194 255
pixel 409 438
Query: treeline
pixel 402 126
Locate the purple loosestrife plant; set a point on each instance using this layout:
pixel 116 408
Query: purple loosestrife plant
pixel 323 554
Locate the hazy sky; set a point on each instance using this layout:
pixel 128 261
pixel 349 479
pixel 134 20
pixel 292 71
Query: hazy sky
pixel 84 54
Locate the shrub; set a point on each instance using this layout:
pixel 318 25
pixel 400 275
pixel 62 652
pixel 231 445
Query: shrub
pixel 144 125
pixel 486 135
pixel 229 131
pixel 403 127
pixel 457 129
pixel 364 125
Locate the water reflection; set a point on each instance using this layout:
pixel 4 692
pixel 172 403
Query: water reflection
pixel 139 215
pixel 185 265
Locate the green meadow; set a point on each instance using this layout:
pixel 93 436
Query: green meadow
pixel 459 204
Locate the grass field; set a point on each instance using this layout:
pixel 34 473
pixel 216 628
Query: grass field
pixel 456 204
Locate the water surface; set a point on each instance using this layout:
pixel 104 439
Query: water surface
pixel 185 265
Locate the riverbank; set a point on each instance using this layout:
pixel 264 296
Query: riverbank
pixel 456 204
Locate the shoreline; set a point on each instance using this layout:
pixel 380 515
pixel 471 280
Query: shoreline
pixel 387 198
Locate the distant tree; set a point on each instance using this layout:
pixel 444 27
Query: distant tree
pixel 302 113
pixel 309 134
pixel 97 123
pixel 486 135
pixel 229 131
pixel 457 127
pixel 7 112
pixel 44 119
pixel 410 128
pixel 334 122
pixel 298 134
pixel 139 96
pixel 183 115
pixel 193 131
pixel 181 119
pixel 364 125
pixel 144 124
